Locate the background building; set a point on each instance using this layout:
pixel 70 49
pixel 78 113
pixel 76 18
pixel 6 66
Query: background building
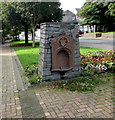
pixel 69 16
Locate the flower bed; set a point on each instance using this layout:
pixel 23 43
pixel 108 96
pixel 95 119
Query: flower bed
pixel 99 61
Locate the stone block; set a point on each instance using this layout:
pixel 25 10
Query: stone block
pixel 56 77
pixel 47 46
pixel 45 73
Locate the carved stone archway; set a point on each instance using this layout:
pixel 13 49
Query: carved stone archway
pixel 62 53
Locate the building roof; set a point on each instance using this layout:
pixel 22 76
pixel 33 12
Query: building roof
pixel 68 12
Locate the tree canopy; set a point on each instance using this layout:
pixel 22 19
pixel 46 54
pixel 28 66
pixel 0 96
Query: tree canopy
pixel 28 15
pixel 112 8
pixel 98 13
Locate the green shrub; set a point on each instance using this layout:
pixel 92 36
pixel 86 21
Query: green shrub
pixel 35 79
pixel 32 74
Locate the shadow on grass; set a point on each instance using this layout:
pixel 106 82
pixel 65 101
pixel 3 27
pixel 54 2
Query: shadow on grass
pixel 21 43
pixel 24 45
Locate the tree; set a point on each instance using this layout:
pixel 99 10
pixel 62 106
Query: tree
pixel 31 14
pixel 43 12
pixel 15 20
pixel 97 13
pixel 10 20
pixel 4 19
pixel 111 7
pixel 22 11
pixel 35 17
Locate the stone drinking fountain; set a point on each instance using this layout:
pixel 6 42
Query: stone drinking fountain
pixel 59 56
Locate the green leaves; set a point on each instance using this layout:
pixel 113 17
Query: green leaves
pixel 112 8
pixel 98 13
pixel 28 15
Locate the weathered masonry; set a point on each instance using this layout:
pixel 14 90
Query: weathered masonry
pixel 59 56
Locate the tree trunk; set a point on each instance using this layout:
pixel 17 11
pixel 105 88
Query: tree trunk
pixel 33 37
pixel 15 38
pixel 26 34
pixel 87 28
pixel 96 28
pixel 83 28
pixel 18 36
pixel 90 28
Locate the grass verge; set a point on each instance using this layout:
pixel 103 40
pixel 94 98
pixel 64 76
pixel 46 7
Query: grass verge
pixel 85 50
pixel 26 54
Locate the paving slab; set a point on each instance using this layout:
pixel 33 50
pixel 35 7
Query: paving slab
pixel 30 105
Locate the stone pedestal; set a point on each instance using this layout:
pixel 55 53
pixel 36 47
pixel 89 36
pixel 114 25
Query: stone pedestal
pixel 59 56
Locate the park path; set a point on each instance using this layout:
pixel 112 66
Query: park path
pixel 10 99
pixel 16 100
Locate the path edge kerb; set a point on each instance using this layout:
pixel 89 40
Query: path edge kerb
pixel 30 105
pixel 25 79
pixel 1 76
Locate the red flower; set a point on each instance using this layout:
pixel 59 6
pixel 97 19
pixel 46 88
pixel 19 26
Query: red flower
pixel 108 57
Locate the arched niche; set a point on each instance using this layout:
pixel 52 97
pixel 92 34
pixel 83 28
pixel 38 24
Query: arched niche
pixel 62 53
pixel 63 61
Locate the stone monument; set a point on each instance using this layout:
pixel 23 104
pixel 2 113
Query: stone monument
pixel 59 56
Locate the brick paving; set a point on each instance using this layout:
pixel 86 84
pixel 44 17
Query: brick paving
pixel 10 99
pixel 65 104
pixel 16 100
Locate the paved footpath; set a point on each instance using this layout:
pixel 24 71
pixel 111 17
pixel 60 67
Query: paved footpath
pixel 10 99
pixel 18 101
pixel 64 104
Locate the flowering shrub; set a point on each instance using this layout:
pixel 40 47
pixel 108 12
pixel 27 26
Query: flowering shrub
pixel 101 61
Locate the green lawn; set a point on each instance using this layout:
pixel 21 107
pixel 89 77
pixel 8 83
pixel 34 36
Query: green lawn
pixel 28 55
pixel 21 43
pixel 85 50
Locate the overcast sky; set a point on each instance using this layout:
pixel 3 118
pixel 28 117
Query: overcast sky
pixel 71 4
